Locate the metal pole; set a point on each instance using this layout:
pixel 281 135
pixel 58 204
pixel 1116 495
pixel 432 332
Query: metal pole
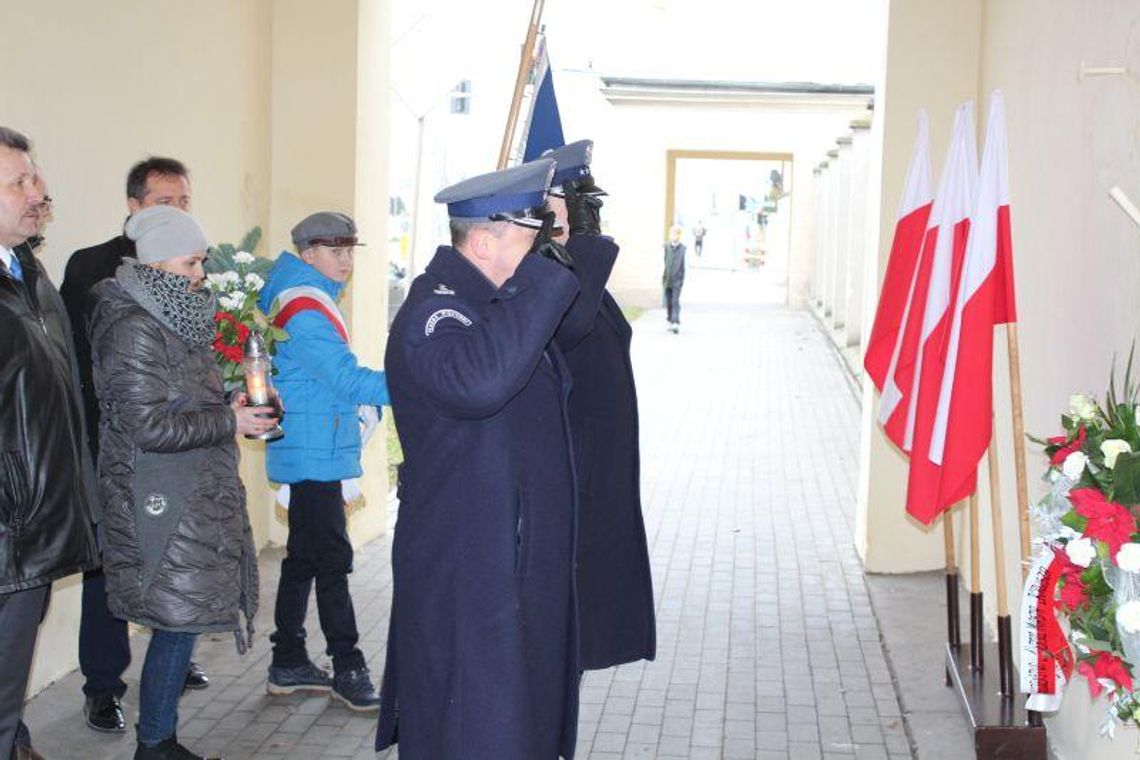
pixel 416 197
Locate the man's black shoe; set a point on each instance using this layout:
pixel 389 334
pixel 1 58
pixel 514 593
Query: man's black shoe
pixel 105 713
pixel 196 677
pixel 169 749
pixel 307 677
pixel 354 688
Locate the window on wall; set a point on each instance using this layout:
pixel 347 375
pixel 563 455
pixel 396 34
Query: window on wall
pixel 461 97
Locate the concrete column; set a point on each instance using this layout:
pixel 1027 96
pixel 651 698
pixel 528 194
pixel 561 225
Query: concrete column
pixel 832 233
pixel 328 151
pixel 857 237
pixel 816 231
pixel 933 54
pixel 842 245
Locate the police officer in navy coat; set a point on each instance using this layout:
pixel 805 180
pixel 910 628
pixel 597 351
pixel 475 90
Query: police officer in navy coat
pixel 615 589
pixel 482 648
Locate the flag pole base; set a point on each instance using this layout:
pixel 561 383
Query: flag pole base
pixel 1000 724
pixel 953 626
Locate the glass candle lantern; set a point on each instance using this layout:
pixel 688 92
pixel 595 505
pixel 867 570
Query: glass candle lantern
pixel 258 370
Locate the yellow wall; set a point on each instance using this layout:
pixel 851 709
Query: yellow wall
pixel 262 100
pixel 1070 140
pixel 932 60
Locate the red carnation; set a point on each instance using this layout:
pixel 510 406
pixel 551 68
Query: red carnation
pixel 1069 446
pixel 1108 522
pixel 234 352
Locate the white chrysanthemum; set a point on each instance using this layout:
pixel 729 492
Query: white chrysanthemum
pixel 1128 616
pixel 1082 552
pixel 253 281
pixel 243 257
pixel 231 277
pixel 1083 407
pixel 1113 448
pixel 1074 465
pixel 230 303
pixel 215 281
pixel 1128 558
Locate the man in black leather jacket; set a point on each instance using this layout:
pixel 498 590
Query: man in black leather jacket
pixel 47 487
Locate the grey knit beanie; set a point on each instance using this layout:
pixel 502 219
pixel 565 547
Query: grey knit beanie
pixel 165 232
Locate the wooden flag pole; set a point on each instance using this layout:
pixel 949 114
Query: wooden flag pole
pixel 976 620
pixel 526 62
pixel 1005 640
pixel 1019 446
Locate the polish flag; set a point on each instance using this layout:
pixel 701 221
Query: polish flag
pixel 952 204
pixel 963 425
pixel 910 229
pixel 957 196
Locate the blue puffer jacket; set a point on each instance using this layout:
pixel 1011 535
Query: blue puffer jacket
pixel 320 384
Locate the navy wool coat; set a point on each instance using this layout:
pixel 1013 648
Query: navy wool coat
pixel 615 589
pixel 482 648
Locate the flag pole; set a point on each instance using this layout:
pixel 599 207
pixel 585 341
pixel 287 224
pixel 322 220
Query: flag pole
pixel 1005 642
pixel 953 628
pixel 1019 446
pixel 976 620
pixel 526 62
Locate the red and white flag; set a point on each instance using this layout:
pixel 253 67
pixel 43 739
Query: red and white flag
pixel 963 424
pixel 945 235
pixel 942 301
pixel 957 196
pixel 910 230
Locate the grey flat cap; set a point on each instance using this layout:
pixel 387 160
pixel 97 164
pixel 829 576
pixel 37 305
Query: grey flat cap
pixel 331 228
pixel 513 195
pixel 165 232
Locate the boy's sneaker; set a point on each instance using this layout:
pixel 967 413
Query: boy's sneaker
pixel 354 688
pixel 307 677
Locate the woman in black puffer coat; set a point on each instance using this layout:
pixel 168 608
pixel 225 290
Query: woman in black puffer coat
pixel 178 552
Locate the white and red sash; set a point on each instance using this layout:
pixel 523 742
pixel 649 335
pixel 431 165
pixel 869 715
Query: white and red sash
pixel 308 298
pixel 1046 659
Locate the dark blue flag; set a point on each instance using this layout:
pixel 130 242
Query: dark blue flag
pixel 545 131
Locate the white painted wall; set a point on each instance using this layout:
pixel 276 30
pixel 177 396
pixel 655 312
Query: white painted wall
pixel 1076 254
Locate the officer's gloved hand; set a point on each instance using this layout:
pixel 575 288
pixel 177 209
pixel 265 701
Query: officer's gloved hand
pixel 582 209
pixel 544 244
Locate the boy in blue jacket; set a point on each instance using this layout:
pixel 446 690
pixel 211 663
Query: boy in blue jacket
pixel 321 385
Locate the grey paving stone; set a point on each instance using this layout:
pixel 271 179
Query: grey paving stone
pixel 768 645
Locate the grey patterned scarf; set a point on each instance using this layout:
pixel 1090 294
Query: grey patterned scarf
pixel 189 313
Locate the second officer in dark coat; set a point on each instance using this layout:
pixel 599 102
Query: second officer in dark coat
pixel 482 649
pixel 615 589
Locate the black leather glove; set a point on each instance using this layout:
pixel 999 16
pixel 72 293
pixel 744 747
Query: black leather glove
pixel 544 244
pixel 582 207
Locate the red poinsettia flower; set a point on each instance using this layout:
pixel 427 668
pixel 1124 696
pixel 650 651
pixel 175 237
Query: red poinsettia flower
pixel 1068 446
pixel 1074 595
pixel 1109 667
pixel 1108 521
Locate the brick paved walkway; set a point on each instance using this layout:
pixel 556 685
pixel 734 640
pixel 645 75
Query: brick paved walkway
pixel 768 647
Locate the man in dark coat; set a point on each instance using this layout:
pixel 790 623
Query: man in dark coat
pixel 47 486
pixel 615 589
pixel 673 278
pixel 482 648
pixel 104 650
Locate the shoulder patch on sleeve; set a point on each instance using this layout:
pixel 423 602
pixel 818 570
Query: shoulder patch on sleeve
pixel 437 316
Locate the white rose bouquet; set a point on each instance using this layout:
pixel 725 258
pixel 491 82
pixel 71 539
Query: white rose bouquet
pixel 237 277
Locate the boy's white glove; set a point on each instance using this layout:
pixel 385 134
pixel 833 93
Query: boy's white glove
pixel 369 417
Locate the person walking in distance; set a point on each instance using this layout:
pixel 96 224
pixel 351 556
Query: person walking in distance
pixel 673 278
